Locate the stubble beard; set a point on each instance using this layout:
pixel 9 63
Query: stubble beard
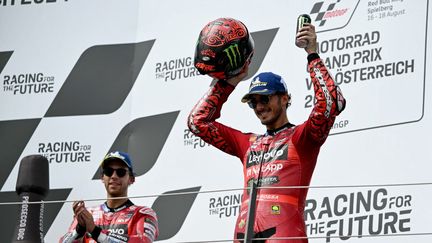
pixel 277 114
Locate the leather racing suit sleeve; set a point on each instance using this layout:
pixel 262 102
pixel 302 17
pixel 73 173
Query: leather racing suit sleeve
pixel 329 103
pixel 75 233
pixel 202 122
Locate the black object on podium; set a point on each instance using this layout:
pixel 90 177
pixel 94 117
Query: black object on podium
pixel 32 186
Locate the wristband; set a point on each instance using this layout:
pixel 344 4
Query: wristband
pixel 312 57
pixel 80 230
pixel 95 233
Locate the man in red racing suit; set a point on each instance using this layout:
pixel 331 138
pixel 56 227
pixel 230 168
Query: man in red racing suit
pixel 118 219
pixel 285 155
pixel 127 223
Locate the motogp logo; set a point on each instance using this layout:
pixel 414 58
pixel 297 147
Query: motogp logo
pixel 333 14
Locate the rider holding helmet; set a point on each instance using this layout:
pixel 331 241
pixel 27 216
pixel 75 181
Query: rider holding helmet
pixel 286 154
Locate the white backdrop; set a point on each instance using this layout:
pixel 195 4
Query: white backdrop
pixel 375 49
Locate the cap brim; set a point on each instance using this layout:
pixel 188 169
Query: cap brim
pixel 246 97
pixel 120 159
pixel 114 158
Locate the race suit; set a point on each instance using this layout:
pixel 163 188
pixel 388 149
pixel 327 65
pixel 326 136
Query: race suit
pixel 282 157
pixel 127 223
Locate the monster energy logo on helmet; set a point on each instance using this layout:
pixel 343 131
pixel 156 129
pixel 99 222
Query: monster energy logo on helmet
pixel 233 53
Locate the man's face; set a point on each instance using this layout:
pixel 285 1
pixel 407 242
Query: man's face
pixel 269 109
pixel 116 178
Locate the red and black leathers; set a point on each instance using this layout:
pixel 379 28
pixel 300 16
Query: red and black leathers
pixel 127 223
pixel 282 157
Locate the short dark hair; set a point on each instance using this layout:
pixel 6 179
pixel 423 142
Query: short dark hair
pixel 289 97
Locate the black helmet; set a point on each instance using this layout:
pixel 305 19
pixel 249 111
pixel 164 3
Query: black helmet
pixel 224 48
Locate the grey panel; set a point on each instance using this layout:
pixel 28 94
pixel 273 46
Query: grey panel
pixel 316 7
pixel 14 136
pixel 144 139
pixel 101 80
pixel 263 40
pixel 172 211
pixel 4 58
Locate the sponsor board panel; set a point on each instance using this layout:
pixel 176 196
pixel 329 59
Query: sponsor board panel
pixel 335 214
pixel 341 214
pixel 369 63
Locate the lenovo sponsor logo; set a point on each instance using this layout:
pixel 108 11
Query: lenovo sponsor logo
pixel 277 153
pixel 119 233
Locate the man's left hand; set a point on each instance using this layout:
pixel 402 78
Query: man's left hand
pixel 307 33
pixel 86 217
